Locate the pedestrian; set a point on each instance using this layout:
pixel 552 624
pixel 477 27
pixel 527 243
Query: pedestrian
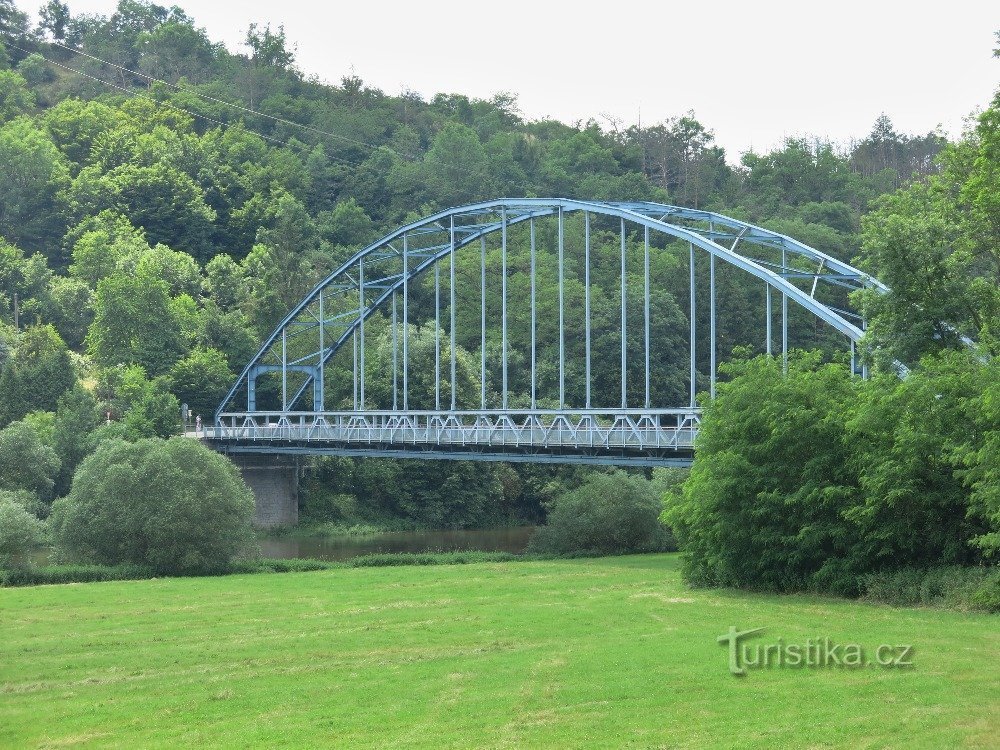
pixel 197 425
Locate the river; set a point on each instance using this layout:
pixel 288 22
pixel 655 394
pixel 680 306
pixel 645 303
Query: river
pixel 513 539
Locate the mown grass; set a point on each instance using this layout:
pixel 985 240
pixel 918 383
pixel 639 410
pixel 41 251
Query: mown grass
pixel 606 652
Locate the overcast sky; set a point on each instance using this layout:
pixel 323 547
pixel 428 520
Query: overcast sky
pixel 754 72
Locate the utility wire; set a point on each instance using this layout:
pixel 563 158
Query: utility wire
pixel 133 93
pixel 234 105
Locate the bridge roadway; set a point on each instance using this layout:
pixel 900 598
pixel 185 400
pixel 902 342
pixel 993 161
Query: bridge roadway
pixel 622 437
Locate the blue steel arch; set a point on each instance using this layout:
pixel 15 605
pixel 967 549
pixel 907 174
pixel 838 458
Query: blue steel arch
pixel 673 221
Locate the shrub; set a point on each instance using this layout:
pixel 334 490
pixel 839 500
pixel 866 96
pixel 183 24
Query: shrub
pixel 987 596
pixel 20 532
pixel 608 514
pixel 942 586
pixel 172 505
pixel 54 574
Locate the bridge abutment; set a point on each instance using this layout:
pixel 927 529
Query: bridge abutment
pixel 274 481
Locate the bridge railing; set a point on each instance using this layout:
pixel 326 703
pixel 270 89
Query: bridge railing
pixel 628 429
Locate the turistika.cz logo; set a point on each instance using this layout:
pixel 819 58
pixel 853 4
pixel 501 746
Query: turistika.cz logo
pixel 819 652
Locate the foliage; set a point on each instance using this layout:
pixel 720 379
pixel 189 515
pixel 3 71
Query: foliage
pixel 812 480
pixel 134 323
pixel 200 380
pixel 36 376
pixel 26 463
pixel 612 513
pixel 76 420
pixel 948 586
pixel 762 507
pixel 20 533
pixel 197 520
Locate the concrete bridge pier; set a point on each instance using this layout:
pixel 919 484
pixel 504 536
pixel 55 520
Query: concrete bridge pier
pixel 274 480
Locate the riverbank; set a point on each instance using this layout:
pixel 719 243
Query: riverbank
pixel 340 542
pixel 569 653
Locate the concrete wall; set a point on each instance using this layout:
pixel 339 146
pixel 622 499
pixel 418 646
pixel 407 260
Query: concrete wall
pixel 275 484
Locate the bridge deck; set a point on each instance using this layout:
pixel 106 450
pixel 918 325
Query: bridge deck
pixel 619 437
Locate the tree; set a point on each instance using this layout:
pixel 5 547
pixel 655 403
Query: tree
pixel 154 411
pixel 54 19
pixel 35 70
pixel 161 199
pixel 76 419
pixel 916 243
pixel 13 22
pixel 26 463
pixel 347 225
pixel 15 96
pixel 37 375
pixel 197 520
pixel 270 49
pixel 104 244
pixel 608 514
pixel 134 323
pixel 32 172
pixel 20 532
pixel 772 476
pixel 69 305
pixel 456 168
pixel 201 379
pixel 908 439
pixel 175 50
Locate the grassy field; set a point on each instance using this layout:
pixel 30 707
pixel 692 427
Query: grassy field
pixel 612 652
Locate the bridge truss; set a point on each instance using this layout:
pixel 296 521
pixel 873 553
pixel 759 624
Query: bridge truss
pixel 390 396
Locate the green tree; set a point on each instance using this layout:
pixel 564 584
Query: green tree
pixel 134 323
pixel 154 411
pixel 77 417
pixel 13 22
pixel 175 50
pixel 69 306
pixel 347 225
pixel 608 514
pixel 197 520
pixel 32 172
pixel 201 379
pixel 163 200
pixel 104 244
pixel 772 476
pixel 54 19
pixel 907 436
pixel 26 463
pixel 37 375
pixel 15 96
pixel 20 532
pixel 456 168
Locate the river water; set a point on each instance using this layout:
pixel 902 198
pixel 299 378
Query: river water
pixel 513 539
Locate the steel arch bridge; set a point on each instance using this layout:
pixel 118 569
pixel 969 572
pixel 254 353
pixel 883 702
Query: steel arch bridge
pixel 359 339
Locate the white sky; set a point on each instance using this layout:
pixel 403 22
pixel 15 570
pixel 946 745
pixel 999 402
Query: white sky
pixel 753 71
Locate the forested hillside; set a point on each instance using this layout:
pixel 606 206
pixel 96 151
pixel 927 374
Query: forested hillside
pixel 165 200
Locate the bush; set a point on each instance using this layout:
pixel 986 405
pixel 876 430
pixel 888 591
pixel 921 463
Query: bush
pixel 428 558
pixel 608 514
pixel 172 505
pixel 987 596
pixel 53 574
pixel 943 586
pixel 20 532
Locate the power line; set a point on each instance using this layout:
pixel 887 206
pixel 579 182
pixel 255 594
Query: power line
pixel 234 105
pixel 132 93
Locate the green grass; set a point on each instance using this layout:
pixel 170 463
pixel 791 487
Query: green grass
pixel 607 652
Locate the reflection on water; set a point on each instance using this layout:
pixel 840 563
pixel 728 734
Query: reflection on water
pixel 514 539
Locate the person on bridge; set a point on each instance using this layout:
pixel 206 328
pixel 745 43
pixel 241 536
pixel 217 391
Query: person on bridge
pixel 197 425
